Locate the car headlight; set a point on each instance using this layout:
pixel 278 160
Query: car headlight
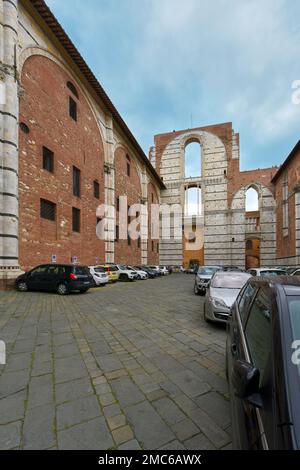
pixel 218 303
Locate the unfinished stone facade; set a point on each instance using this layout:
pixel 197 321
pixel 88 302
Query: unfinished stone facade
pixel 226 226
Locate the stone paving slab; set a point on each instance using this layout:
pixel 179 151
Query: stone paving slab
pixel 131 366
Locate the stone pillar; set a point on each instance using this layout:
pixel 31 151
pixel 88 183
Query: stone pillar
pixel 109 178
pixel 144 218
pixel 9 116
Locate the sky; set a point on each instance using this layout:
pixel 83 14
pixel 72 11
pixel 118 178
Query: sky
pixel 173 64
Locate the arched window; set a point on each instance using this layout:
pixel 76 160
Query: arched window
pixel 252 203
pixel 73 89
pixel 193 201
pixel 193 164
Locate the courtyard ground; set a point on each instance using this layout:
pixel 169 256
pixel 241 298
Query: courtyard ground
pixel 128 366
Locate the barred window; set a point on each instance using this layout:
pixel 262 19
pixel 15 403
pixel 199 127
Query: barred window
pixel 48 210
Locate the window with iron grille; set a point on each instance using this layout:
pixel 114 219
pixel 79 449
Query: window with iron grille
pixel 48 160
pixel 48 210
pixel 96 189
pixel 75 220
pixel 76 181
pixel 72 108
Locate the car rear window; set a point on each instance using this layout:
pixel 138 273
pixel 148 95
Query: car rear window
pixel 81 270
pixel 209 271
pixel 112 269
pixel 99 270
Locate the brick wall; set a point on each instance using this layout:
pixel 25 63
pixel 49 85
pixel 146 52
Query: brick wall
pixel 45 110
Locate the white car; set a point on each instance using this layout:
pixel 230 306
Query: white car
pixel 142 275
pixel 156 269
pixel 126 273
pixel 164 270
pixel 99 275
pixel 266 272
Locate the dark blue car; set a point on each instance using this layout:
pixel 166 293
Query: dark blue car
pixel 60 278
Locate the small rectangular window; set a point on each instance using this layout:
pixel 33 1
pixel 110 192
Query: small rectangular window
pixel 118 204
pixel 72 108
pixel 158 248
pixel 139 242
pixel 152 246
pixel 75 220
pixel 48 160
pixel 128 169
pixel 76 182
pixel 96 190
pixel 48 210
pixel 129 240
pixel 117 233
pixel 152 198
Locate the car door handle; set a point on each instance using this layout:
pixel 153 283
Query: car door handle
pixel 233 349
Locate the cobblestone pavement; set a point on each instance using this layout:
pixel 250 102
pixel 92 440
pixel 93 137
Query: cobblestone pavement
pixel 126 366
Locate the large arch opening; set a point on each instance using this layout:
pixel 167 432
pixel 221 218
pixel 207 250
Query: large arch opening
pixel 252 200
pixel 193 201
pixel 193 162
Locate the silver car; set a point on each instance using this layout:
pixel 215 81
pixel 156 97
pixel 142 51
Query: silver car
pixel 203 276
pixel 221 294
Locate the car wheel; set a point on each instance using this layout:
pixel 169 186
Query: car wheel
pixel 62 289
pixel 204 315
pixel 123 278
pixel 22 286
pixel 196 290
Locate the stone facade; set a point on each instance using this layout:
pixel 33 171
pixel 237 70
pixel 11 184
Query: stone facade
pixel 225 225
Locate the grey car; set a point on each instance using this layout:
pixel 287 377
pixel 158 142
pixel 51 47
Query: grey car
pixel 203 277
pixel 221 294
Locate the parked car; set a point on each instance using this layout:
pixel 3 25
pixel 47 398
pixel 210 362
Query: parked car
pixel 60 278
pixel 164 270
pixel 232 268
pixel 203 276
pixel 264 272
pixel 221 294
pixel 151 273
pixel 156 269
pixel 141 275
pixel 112 271
pixel 263 365
pixel 99 275
pixel 294 272
pixel 126 273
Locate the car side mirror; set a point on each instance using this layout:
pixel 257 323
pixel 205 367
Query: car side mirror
pixel 245 380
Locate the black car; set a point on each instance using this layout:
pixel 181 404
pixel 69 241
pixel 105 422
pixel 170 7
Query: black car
pixel 60 278
pixel 151 273
pixel 263 365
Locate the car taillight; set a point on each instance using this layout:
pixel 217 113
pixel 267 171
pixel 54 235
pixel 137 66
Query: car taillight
pixel 73 277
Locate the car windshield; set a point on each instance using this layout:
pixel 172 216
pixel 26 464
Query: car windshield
pixel 230 281
pixel 294 310
pixel 208 271
pixel 272 272
pixel 99 270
